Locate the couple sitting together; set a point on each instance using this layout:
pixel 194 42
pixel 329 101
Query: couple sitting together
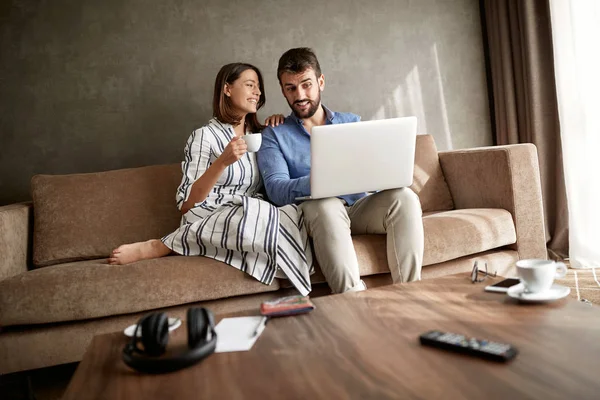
pixel 226 218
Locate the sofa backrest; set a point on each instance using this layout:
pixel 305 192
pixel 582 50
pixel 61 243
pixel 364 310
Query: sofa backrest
pixel 86 216
pixel 428 179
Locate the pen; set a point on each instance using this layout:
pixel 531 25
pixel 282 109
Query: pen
pixel 260 326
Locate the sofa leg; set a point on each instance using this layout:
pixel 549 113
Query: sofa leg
pixel 30 393
pixel 47 383
pixel 17 386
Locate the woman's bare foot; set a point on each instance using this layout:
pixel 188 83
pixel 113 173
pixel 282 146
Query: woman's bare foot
pixel 129 253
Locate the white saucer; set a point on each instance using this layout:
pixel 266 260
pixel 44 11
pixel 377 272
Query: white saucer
pixel 554 293
pixel 174 323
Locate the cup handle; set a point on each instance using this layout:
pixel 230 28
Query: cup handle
pixel 561 270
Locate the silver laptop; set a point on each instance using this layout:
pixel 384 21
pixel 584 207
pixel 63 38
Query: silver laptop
pixel 361 157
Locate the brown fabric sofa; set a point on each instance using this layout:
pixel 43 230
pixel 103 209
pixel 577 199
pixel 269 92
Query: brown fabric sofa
pixel 57 291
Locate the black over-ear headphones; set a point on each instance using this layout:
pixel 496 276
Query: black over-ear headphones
pixel 202 341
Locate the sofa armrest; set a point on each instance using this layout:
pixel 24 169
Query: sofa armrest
pixel 15 239
pixel 505 177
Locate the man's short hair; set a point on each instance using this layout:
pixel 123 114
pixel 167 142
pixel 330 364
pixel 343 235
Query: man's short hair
pixel 298 60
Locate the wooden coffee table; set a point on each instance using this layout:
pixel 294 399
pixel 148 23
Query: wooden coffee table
pixel 365 345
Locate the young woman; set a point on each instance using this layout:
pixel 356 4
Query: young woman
pixel 224 216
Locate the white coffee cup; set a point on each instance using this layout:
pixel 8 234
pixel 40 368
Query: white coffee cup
pixel 253 141
pixel 538 275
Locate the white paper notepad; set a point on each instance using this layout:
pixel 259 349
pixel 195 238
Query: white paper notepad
pixel 237 334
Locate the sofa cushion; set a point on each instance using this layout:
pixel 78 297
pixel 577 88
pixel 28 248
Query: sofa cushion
pixel 428 179
pixel 448 235
pixel 85 216
pixel 92 289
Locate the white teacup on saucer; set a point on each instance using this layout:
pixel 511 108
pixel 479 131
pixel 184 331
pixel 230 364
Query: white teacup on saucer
pixel 537 281
pixel 538 275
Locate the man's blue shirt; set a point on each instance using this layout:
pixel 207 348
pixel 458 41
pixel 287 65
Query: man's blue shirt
pixel 284 158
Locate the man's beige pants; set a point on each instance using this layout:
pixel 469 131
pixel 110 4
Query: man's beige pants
pixel 396 213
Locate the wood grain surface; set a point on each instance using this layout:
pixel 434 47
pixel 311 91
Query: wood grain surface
pixel 365 345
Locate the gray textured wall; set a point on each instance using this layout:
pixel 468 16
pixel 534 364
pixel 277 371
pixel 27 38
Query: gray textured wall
pixel 94 85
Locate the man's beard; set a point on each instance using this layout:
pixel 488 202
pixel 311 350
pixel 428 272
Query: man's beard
pixel 314 106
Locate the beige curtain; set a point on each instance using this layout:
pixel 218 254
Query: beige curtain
pixel 523 97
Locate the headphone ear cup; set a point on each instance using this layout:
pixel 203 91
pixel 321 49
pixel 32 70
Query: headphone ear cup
pixel 202 340
pixel 155 334
pixel 197 325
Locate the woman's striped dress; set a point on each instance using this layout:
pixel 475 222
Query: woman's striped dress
pixel 233 224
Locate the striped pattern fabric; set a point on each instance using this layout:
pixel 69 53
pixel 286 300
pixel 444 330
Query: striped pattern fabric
pixel 234 224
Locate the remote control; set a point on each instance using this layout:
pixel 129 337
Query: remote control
pixel 476 347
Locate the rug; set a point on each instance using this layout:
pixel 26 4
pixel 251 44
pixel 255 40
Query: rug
pixel 584 284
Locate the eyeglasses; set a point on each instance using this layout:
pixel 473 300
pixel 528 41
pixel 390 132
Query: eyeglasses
pixel 476 271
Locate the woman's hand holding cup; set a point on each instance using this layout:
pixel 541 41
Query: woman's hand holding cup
pixel 234 151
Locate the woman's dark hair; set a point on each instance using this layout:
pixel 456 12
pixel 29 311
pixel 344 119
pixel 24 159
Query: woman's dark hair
pixel 223 110
pixel 298 60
